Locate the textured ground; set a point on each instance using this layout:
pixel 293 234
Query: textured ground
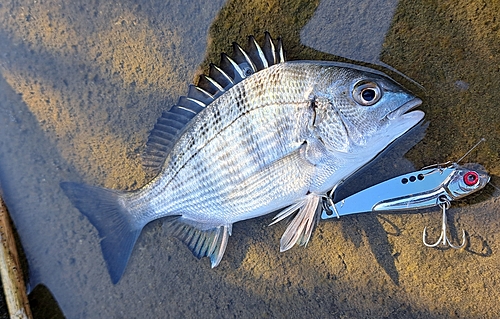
pixel 83 82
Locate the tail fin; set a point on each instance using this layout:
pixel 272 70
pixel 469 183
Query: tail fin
pixel 107 210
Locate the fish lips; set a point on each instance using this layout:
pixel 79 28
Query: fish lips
pixel 402 111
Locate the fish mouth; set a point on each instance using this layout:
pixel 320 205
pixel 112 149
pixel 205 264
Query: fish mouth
pixel 405 108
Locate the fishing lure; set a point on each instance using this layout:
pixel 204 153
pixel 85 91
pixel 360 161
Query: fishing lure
pixel 435 186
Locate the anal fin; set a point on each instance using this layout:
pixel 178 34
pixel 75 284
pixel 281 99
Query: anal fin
pixel 202 240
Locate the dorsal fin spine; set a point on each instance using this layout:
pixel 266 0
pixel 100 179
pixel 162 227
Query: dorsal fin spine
pixel 202 90
pixel 238 50
pixel 223 73
pixel 200 103
pixel 269 49
pixel 200 94
pixel 281 53
pixel 239 75
pixel 190 104
pixel 185 108
pixel 215 83
pixel 260 53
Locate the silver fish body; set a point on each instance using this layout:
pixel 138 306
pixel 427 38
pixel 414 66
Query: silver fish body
pixel 277 137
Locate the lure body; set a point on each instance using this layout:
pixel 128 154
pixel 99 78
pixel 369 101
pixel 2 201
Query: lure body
pixel 416 190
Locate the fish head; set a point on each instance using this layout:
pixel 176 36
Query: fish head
pixel 467 179
pixel 360 107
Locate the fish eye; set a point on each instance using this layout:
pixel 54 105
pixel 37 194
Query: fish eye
pixel 366 93
pixel 471 178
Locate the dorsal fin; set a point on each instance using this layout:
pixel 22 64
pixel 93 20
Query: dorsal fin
pixel 219 79
pixel 162 137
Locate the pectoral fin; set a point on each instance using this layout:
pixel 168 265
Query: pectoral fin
pixel 300 229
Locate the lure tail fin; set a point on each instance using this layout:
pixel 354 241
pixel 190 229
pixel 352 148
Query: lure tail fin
pixel 107 210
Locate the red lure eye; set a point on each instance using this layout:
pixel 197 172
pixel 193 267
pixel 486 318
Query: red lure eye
pixel 471 178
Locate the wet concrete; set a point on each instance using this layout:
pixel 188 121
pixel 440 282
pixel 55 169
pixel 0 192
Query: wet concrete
pixel 83 83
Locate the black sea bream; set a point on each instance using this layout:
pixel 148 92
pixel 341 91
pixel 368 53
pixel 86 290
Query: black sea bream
pixel 257 135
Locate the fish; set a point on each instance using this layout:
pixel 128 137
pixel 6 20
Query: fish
pixel 257 135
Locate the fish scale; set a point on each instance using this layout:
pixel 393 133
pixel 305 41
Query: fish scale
pixel 257 135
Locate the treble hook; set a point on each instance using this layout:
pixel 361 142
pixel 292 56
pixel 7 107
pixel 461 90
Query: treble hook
pixel 444 204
